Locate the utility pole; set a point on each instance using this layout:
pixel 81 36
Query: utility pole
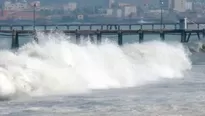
pixel 161 4
pixel 34 22
pixel 34 16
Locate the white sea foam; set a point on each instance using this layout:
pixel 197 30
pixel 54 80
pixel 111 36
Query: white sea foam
pixel 197 46
pixel 57 66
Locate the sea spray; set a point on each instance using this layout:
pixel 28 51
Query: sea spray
pixel 58 66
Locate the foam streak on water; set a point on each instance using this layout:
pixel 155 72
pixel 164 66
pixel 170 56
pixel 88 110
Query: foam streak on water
pixel 57 66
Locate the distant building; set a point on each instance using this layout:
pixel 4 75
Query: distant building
pixel 179 5
pixel 198 7
pixel 15 6
pixel 80 17
pixel 4 15
pixel 37 3
pixel 70 6
pixel 189 6
pixel 109 12
pixel 166 4
pixel 111 2
pixel 123 4
pixel 119 13
pixel 129 10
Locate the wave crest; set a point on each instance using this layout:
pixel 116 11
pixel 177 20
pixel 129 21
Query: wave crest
pixel 57 66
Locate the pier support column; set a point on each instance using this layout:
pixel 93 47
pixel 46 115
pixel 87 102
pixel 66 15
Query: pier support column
pixel 15 40
pixel 120 40
pixel 164 26
pixel 162 35
pixel 141 36
pixel 56 28
pixel 11 27
pixel 141 26
pixel 203 33
pixel 183 27
pixel 198 35
pixel 99 37
pixel 91 38
pixel 67 27
pixel 22 27
pixel 175 26
pixel 118 27
pixel 187 39
pixel 77 35
pixel 110 27
pixel 35 37
pixel 107 26
pixel 152 26
pixel 130 27
pixel 183 36
pixel 45 27
pixel 101 27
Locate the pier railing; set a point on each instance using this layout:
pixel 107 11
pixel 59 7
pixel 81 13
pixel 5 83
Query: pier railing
pixel 129 26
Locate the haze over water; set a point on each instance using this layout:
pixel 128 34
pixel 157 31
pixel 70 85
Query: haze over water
pixel 57 77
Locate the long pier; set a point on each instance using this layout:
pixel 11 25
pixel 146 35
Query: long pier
pixel 183 29
pixel 106 26
pixel 184 33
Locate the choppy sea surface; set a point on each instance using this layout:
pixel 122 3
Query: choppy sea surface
pixel 59 78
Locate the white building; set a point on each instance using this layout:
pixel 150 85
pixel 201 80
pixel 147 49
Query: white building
pixel 80 17
pixel 37 3
pixel 111 2
pixel 123 4
pixel 17 6
pixel 189 5
pixel 179 5
pixel 119 13
pixel 109 12
pixel 70 6
pixel 166 4
pixel 128 10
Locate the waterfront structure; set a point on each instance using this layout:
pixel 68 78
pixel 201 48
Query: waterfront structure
pixel 179 5
pixel 36 3
pixel 167 4
pixel 80 17
pixel 129 10
pixel 111 2
pixel 109 12
pixel 15 6
pixel 185 34
pixel 189 5
pixel 70 6
pixel 123 4
pixel 183 31
pixel 119 13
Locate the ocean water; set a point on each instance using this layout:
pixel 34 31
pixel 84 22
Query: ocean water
pixel 59 78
